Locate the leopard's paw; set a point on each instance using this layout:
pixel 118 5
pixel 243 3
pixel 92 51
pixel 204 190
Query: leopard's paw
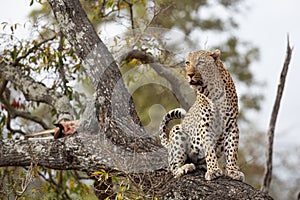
pixel 184 170
pixel 236 175
pixel 210 175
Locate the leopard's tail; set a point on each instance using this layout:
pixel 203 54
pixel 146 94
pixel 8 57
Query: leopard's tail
pixel 177 113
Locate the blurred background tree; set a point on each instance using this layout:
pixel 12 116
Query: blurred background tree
pixel 180 26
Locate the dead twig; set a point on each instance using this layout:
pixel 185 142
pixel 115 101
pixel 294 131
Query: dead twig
pixel 27 180
pixel 269 161
pixel 130 5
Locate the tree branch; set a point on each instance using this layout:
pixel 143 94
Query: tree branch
pixel 71 153
pixel 35 91
pixel 271 130
pixel 79 153
pixel 130 5
pixel 82 151
pixel 59 189
pixel 13 113
pixel 31 50
pixel 192 186
pixel 3 85
pixel 79 31
pixel 160 70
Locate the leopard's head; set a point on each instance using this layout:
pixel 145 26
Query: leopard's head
pixel 197 62
pixel 192 75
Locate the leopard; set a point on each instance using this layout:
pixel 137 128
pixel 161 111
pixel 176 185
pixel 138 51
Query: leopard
pixel 194 143
pixel 209 130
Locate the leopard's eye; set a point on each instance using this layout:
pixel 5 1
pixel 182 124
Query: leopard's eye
pixel 187 63
pixel 201 62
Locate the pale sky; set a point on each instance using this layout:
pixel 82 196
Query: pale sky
pixel 266 25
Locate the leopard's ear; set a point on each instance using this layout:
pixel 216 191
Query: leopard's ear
pixel 189 55
pixel 215 54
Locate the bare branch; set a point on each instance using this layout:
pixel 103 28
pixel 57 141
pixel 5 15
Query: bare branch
pixel 269 160
pixel 13 113
pixel 158 11
pixel 161 70
pixel 35 91
pixel 131 14
pixel 102 11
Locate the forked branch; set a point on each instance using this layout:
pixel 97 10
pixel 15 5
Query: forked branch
pixel 269 160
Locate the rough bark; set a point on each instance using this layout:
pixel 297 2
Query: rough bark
pixel 193 186
pixel 113 103
pixel 81 153
pixel 105 141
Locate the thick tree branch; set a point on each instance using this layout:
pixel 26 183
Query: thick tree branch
pixel 269 160
pixel 61 154
pixel 35 91
pixel 81 153
pixel 193 186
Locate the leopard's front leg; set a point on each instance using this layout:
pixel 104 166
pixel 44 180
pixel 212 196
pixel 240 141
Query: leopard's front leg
pixel 213 169
pixel 231 153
